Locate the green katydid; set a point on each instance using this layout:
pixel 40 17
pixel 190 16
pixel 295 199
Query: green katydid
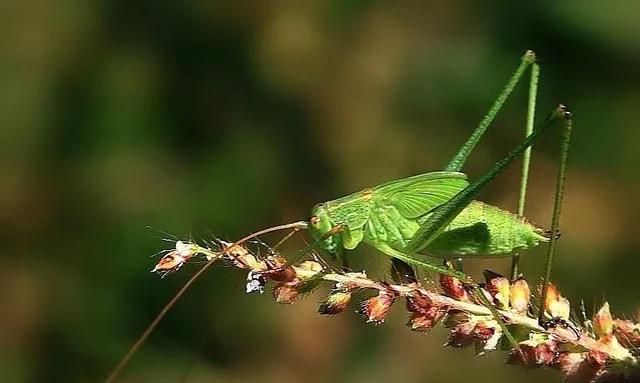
pixel 433 213
pixel 436 213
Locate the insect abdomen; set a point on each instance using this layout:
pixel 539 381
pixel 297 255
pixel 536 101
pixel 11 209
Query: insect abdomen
pixel 483 230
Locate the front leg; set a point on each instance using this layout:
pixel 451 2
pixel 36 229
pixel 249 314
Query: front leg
pixel 413 260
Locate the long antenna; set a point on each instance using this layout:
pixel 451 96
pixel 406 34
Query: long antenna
pixel 134 348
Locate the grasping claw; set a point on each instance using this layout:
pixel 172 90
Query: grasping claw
pixel 562 323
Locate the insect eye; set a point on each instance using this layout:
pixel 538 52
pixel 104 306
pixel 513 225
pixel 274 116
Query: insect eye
pixel 314 220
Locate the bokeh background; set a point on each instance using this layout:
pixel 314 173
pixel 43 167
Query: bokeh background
pixel 203 118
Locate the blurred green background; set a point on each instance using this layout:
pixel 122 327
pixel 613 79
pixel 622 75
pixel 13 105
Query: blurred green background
pixel 224 117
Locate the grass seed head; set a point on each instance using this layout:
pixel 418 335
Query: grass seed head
pixel 603 321
pixel 628 334
pixel 556 305
pixel 283 274
pixel 487 335
pixel 454 288
pixel 375 309
pixel 520 296
pixel 173 260
pixel 462 335
pixel 534 352
pixel 424 313
pixel 499 288
pixel 336 302
pixel 285 293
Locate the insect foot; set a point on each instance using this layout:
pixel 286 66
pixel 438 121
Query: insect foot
pixel 557 310
pixel 529 56
pixel 556 322
pixel 550 233
pixel 563 111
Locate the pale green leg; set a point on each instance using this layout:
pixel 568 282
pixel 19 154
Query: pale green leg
pixel 458 161
pixel 444 214
pixel 555 220
pixel 526 157
pixel 419 262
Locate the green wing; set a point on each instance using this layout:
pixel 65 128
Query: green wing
pixel 417 195
pixel 412 197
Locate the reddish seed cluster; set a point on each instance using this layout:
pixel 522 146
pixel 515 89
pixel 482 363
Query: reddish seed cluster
pixel 556 305
pixel 336 302
pixel 519 296
pixel 424 313
pixel 340 297
pixel 591 358
pixel 627 333
pixel 294 280
pixel 606 350
pixel 482 332
pixel 454 288
pixel 375 309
